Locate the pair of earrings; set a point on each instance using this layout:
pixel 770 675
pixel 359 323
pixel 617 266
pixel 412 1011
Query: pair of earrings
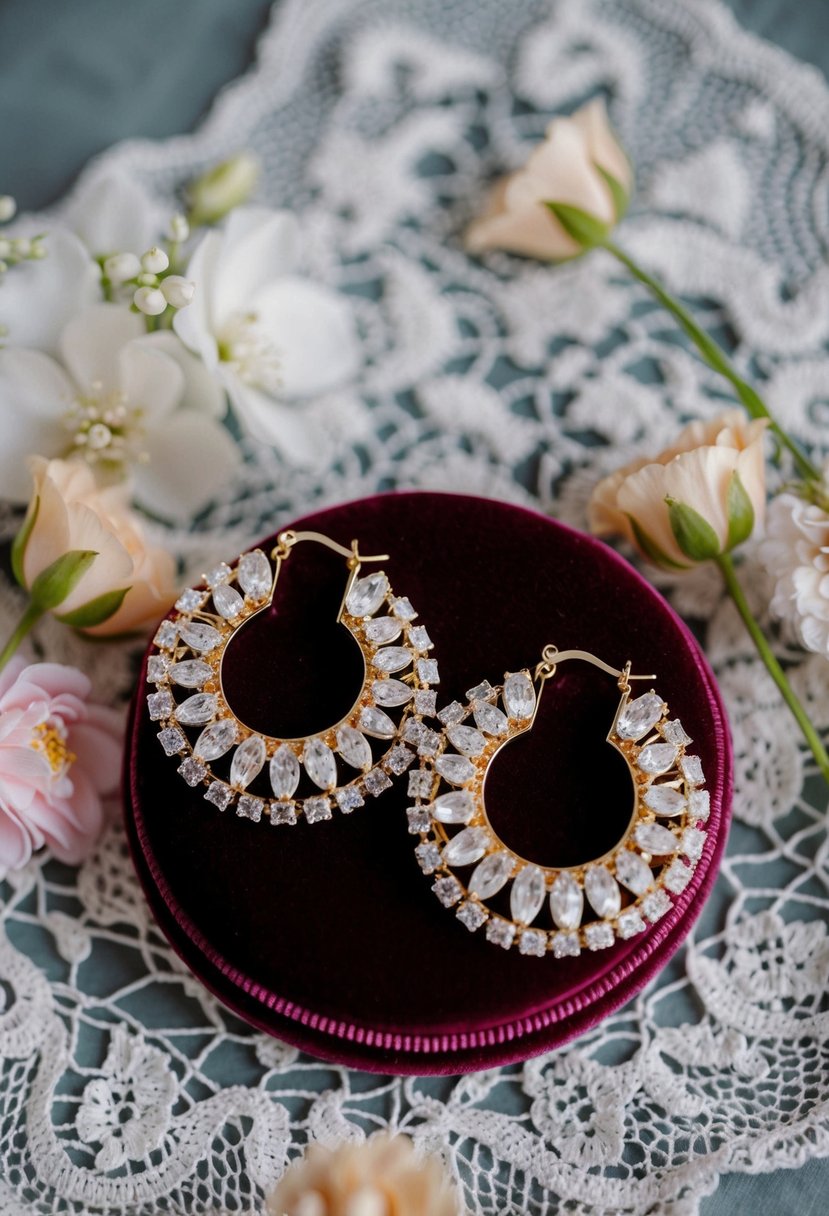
pixel 386 735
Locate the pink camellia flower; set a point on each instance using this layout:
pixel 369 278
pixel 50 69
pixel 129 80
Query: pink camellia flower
pixel 60 755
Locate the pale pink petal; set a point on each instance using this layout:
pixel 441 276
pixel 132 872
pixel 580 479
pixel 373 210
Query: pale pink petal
pixel 15 841
pixel 97 745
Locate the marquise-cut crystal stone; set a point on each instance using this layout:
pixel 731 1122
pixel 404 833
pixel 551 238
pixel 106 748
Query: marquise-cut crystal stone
pixel 216 739
pixel 639 716
pixel 467 847
pixel 519 695
pixel 602 891
pixel 284 772
pixel 657 758
pixel 353 747
pixel 664 800
pixel 527 895
pixel 466 739
pixel 488 877
pixel 457 807
pixel 190 674
pixel 391 693
pixel 253 574
pixel 566 901
pixel 374 722
pixel 490 719
pixel 199 636
pixel 383 629
pixel 248 762
pixel 632 872
pixel 320 764
pixel 367 594
pixel 392 658
pixel 456 769
pixel 227 601
pixel 197 710
pixel 655 839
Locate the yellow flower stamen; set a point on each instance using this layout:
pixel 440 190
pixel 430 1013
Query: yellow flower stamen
pixel 51 743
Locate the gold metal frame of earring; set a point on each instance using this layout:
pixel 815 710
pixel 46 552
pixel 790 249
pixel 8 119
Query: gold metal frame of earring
pixel 189 657
pixel 628 887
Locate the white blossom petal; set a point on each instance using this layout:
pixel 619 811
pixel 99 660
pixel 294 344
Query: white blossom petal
pixel 195 323
pixel 150 380
pixel 202 390
pixel 90 344
pixel 38 298
pixel 191 460
pixel 113 214
pixel 258 249
pixel 285 427
pixel 34 392
pixel 314 334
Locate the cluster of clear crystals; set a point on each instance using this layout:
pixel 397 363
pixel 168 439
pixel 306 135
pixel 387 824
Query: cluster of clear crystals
pixel 591 906
pixel 187 695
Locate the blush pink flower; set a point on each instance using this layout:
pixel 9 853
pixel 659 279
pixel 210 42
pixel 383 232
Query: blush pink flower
pixel 60 756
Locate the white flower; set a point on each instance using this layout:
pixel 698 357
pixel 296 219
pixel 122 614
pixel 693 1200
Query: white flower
pixel 127 1109
pixel 268 335
pixel 122 399
pixel 795 552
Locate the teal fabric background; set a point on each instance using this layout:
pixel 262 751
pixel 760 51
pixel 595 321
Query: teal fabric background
pixel 75 78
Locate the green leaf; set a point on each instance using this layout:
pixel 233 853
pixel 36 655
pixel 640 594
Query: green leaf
pixel 740 513
pixel 618 193
pixel 22 539
pixel 583 227
pixel 651 549
pixel 96 611
pixel 56 582
pixel 694 535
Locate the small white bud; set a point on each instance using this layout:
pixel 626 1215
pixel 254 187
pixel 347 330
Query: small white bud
pixel 8 208
pixel 178 228
pixel 150 301
pixel 146 279
pixel 178 291
pixel 155 260
pixel 121 266
pixel 213 194
pixel 21 247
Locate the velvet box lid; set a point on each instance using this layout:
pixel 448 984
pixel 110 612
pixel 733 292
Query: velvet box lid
pixel 327 935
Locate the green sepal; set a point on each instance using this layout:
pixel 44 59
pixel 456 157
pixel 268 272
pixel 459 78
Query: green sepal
pixel 96 611
pixel 740 513
pixel 583 227
pixel 22 539
pixel 618 193
pixel 651 549
pixel 56 582
pixel 694 535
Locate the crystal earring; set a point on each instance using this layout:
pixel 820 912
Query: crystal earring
pixel 223 754
pixel 627 887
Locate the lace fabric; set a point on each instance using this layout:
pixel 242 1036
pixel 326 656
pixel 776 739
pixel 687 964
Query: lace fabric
pixel 126 1089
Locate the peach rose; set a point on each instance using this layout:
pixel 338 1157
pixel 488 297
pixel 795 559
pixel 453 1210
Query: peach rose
pixel 382 1177
pixel 572 166
pixel 696 500
pixel 125 584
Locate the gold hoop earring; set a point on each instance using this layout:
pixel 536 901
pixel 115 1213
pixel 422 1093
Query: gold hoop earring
pixel 627 887
pixel 191 647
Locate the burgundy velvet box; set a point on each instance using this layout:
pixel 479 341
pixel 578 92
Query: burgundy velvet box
pixel 327 935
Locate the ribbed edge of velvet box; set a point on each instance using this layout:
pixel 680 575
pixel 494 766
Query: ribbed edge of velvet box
pixel 616 975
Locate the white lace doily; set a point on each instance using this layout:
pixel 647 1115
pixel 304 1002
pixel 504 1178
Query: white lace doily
pixel 125 1087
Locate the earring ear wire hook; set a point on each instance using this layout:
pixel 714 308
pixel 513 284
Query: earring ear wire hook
pixel 551 656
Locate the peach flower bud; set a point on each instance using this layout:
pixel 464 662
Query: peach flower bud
pixel 580 165
pixel 378 1178
pixel 125 584
pixel 695 501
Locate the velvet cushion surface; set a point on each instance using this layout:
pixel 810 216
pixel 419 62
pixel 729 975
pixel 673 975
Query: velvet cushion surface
pixel 327 934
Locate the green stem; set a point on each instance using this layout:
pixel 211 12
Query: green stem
pixel 715 357
pixel 775 670
pixel 29 618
